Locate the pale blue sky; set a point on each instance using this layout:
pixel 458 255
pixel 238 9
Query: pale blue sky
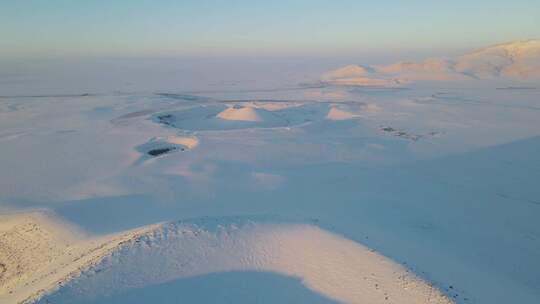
pixel 238 27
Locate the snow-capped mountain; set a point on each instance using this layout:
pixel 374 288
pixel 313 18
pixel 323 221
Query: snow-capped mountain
pixel 518 60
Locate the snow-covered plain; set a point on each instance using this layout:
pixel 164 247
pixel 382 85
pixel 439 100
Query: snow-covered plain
pixel 343 190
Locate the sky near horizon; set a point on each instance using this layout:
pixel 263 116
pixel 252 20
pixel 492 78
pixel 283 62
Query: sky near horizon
pixel 238 27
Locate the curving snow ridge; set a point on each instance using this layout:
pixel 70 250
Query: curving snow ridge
pixel 188 142
pixel 518 60
pixel 38 252
pixel 327 264
pixel 240 114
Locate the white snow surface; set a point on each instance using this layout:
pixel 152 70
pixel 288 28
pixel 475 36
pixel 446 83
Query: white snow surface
pixel 295 197
pixel 327 264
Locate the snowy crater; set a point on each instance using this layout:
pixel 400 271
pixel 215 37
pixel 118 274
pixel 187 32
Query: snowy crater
pixel 242 116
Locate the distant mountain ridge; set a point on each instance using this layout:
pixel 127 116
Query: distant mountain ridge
pixel 514 60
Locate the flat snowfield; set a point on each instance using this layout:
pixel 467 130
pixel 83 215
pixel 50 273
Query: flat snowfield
pixel 406 183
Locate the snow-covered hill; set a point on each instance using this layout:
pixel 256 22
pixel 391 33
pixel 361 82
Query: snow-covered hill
pixel 327 264
pixel 518 60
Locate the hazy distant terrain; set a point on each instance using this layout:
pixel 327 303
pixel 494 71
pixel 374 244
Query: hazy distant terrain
pixel 510 61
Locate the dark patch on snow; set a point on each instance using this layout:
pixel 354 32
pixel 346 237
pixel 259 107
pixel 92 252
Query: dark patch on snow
pixel 407 135
pixel 165 119
pixel 161 151
pixel 136 114
pixel 402 134
pixel 185 97
pixel 3 269
pixel 388 129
